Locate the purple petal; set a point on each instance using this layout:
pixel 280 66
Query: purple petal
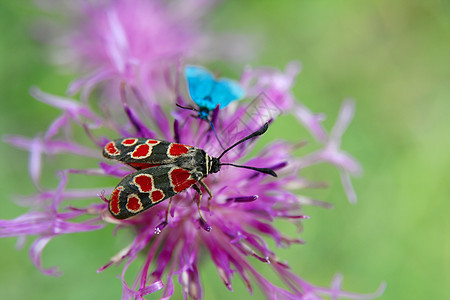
pixel 36 256
pixel 160 227
pixel 140 127
pixel 56 125
pixel 345 116
pixel 243 199
pixel 204 225
pixel 348 187
pixel 116 44
pixel 62 103
pixel 169 289
pixel 336 293
pixel 312 122
pixel 35 160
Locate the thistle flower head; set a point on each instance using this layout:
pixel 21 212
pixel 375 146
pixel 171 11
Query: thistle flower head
pixel 237 222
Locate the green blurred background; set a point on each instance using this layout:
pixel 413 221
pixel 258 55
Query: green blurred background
pixel 392 57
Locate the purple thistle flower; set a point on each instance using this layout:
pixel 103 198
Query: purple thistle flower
pixel 140 58
pixel 238 222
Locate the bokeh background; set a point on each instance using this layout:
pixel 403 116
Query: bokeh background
pixel 392 57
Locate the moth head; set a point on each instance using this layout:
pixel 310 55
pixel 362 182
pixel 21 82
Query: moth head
pixel 203 114
pixel 215 165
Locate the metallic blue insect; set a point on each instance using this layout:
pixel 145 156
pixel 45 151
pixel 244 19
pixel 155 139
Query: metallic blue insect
pixel 208 92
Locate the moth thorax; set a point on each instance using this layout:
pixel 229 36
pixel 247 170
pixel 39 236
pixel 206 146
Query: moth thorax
pixel 203 113
pixel 214 165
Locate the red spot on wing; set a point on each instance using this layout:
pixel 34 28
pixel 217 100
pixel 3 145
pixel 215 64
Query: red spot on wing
pixel 178 149
pixel 184 185
pixel 134 203
pixel 129 142
pixel 114 202
pixel 180 179
pixel 111 149
pixel 178 176
pixel 152 142
pixel 141 151
pixel 140 166
pixel 157 195
pixel 144 182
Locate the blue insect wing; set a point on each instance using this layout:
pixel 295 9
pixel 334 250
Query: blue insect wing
pixel 225 91
pixel 206 103
pixel 200 83
pixel 207 92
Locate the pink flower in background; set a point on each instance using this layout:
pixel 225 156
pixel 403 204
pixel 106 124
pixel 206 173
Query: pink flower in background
pixel 134 51
pixel 132 41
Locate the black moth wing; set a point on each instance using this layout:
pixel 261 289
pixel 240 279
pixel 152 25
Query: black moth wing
pixel 141 153
pixel 143 189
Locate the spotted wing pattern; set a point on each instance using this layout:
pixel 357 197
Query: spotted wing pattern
pixel 160 173
pixel 143 189
pixel 141 153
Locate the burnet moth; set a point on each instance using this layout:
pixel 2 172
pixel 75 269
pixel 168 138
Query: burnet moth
pixel 164 169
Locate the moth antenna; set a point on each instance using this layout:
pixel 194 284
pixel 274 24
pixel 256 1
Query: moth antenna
pixel 256 133
pixel 186 107
pixel 261 170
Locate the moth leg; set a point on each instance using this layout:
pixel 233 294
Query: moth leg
pixel 168 210
pixel 163 224
pixel 188 117
pixel 197 189
pixel 208 191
